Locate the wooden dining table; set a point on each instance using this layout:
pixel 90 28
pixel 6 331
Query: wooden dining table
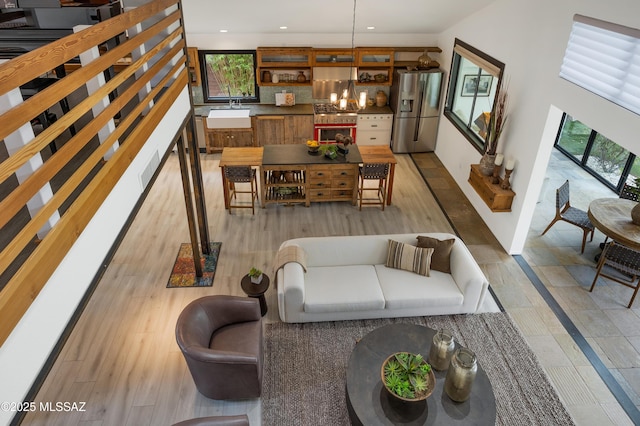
pixel 380 154
pixel 612 217
pixel 241 156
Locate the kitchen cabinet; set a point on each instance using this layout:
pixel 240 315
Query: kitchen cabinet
pixel 332 182
pixel 193 64
pixel 290 175
pixel 217 139
pixel 408 56
pixel 282 129
pixel 298 128
pixel 374 129
pixel 334 57
pixel 375 62
pixel 268 129
pixel 286 63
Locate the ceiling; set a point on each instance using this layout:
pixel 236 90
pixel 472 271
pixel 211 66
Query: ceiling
pixel 322 16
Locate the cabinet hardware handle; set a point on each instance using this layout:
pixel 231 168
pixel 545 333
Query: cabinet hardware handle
pixel 374 125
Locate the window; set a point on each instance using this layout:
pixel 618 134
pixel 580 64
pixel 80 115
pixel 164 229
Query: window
pixel 229 75
pixel 473 85
pixel 607 161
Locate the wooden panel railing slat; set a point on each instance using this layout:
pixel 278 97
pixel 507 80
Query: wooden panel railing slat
pixel 24 154
pixel 134 126
pixel 12 119
pixel 27 282
pixel 39 61
pixel 25 235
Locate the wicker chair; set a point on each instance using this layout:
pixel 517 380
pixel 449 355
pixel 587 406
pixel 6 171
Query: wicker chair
pixel 571 215
pixel 628 192
pixel 240 174
pixel 623 259
pixel 373 171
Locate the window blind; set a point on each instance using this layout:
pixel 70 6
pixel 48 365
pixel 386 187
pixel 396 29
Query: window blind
pixel 604 58
pixel 487 66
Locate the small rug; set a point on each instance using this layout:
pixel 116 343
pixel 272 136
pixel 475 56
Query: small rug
pixel 305 369
pixel 183 273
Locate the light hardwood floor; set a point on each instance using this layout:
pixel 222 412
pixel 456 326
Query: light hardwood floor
pixel 122 358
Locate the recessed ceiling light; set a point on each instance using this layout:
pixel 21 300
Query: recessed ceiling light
pixel 371 28
pixel 283 28
pixel 224 31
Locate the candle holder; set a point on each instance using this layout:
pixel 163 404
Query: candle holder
pixel 495 178
pixel 505 182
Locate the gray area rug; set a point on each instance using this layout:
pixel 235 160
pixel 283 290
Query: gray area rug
pixel 305 369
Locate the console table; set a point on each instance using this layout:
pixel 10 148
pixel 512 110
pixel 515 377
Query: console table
pixel 290 174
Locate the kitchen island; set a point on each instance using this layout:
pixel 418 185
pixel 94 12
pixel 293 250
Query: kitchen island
pixel 290 174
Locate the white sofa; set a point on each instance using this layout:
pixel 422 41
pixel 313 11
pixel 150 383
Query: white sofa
pixel 347 279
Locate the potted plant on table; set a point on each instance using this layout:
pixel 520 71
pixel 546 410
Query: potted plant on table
pixel 256 275
pixel 408 377
pixel 329 151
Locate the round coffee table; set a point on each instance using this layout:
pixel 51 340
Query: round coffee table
pixel 369 403
pixel 256 290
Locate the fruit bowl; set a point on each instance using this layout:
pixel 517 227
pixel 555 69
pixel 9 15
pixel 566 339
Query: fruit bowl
pixel 313 146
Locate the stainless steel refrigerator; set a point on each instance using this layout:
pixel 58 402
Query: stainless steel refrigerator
pixel 415 100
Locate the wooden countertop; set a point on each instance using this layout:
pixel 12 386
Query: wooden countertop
pixel 377 154
pixel 244 156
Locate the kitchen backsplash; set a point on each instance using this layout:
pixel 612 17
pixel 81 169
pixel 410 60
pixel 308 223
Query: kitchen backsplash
pixel 303 94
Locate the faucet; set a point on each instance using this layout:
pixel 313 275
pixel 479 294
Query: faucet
pixel 237 102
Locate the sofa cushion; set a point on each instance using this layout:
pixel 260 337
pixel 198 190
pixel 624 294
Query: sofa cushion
pixel 342 289
pixel 405 290
pixel 441 252
pixel 409 258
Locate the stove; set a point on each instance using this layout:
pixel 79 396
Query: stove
pixel 330 114
pixel 329 120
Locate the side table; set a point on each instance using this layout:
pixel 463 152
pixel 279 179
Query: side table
pixel 256 290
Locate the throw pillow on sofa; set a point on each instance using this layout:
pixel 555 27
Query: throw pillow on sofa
pixel 441 252
pixel 409 258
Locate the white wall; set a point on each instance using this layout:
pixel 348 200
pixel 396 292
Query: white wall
pixel 530 38
pixel 24 353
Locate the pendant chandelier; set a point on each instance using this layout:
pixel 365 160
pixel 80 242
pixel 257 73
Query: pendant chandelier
pixel 349 96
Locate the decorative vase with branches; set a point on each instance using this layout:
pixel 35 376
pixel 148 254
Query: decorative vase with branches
pixel 495 126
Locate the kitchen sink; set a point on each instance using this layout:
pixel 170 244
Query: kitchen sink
pixel 229 119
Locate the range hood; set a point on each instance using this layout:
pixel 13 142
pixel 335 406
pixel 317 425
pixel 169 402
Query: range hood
pixel 327 80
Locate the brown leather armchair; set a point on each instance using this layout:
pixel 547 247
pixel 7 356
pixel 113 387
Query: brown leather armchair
pixel 221 340
pixel 241 420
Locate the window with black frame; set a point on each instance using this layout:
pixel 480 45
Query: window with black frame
pixel 604 159
pixel 229 75
pixel 473 85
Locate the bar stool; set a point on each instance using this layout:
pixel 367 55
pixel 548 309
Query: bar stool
pixel 240 174
pixel 373 171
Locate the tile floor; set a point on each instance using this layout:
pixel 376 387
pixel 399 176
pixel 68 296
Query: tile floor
pixel 601 317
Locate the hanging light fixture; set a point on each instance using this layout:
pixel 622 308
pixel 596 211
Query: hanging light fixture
pixel 349 96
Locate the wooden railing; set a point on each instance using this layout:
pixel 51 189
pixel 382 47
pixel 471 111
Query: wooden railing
pixel 89 163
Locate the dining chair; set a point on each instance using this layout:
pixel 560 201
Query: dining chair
pixel 373 171
pixel 238 175
pixel 622 259
pixel 629 192
pixel 569 214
